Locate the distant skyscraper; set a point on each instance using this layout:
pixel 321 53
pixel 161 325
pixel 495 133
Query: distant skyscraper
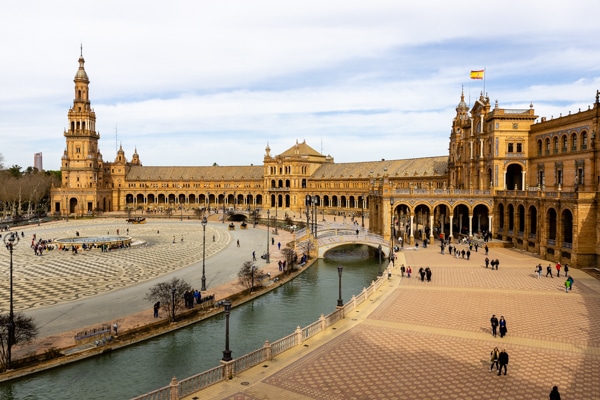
pixel 37 161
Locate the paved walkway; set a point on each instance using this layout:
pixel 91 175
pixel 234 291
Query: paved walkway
pixel 432 340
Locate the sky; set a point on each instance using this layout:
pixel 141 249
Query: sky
pixel 193 83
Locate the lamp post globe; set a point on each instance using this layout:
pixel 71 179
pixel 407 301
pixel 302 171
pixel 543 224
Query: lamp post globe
pixel 204 222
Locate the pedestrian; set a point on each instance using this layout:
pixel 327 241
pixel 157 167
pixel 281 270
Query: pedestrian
pixel 570 279
pixel 487 262
pixel 402 270
pixel 156 308
pixel 558 269
pixel 468 255
pixel 173 239
pixel 549 271
pixel 539 270
pixel 422 274
pixel 567 285
pixel 497 264
pixel 566 270
pixel 254 256
pixel 502 361
pixel 494 323
pixel 408 271
pixel 272 241
pixel 116 327
pixel 494 354
pixel 486 250
pixel 428 274
pixel 278 245
pixel 238 243
pixel 554 395
pixel 502 324
pixel 476 246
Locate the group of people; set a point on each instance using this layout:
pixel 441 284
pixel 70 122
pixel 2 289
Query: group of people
pixel 493 263
pixel 499 359
pixel 498 325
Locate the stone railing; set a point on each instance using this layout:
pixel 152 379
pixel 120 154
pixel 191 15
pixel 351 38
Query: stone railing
pixel 186 387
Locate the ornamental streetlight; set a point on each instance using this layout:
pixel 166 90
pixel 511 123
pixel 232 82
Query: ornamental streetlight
pixel 223 208
pixel 11 240
pixel 363 211
pixel 340 302
pixel 204 222
pixel 276 204
pixel 392 228
pixel 267 256
pixel 252 270
pixel 227 352
pixel 379 250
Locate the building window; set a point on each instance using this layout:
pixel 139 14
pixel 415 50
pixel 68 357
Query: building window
pixel 584 140
pixel 519 147
pixel 510 148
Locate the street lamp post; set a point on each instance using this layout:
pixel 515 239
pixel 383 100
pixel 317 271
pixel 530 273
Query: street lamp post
pixel 379 250
pixel 204 222
pixel 276 204
pixel 252 287
pixel 227 352
pixel 340 302
pixel 363 211
pixel 67 206
pixel 267 257
pixel 223 208
pixel 392 228
pixel 173 303
pixel 11 240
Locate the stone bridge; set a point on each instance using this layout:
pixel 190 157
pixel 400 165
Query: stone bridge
pixel 330 236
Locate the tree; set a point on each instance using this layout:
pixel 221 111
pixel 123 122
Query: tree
pixel 250 276
pixel 290 258
pixel 164 293
pixel 25 331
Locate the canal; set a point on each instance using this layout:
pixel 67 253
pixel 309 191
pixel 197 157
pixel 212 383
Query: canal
pixel 149 365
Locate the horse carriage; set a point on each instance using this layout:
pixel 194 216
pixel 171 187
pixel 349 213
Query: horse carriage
pixel 231 227
pixel 243 225
pixel 136 220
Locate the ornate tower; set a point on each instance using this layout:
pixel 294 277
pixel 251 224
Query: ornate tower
pixel 82 187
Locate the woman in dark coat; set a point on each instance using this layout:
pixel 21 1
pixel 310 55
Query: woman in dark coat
pixel 502 326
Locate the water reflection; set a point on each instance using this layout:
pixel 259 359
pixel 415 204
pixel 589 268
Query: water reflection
pixel 149 365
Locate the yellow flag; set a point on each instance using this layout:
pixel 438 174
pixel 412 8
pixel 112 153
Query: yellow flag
pixel 477 74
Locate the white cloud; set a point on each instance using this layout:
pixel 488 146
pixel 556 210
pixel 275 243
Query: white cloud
pixel 368 80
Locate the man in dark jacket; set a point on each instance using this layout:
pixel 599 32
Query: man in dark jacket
pixel 502 361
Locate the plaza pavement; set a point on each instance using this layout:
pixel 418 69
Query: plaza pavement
pixel 432 340
pixel 65 293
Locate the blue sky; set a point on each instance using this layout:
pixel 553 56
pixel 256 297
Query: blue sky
pixel 193 83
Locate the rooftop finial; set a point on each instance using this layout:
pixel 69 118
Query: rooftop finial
pixel 81 50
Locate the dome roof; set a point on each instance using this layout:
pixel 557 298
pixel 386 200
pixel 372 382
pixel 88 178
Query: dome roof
pixel 81 75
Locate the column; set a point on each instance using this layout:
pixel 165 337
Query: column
pixel 431 237
pixel 490 224
pixel 504 185
pixel 480 148
pixel 451 218
pixel 470 225
pixel 523 180
pixel 412 229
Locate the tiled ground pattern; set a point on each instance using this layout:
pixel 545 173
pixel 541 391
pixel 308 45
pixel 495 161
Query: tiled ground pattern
pixel 384 363
pixel 431 340
pixel 60 276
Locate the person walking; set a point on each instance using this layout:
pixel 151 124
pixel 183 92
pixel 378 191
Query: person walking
pixel 422 274
pixel 402 270
pixel 494 354
pixel 494 323
pixel 558 270
pixel 487 262
pixel 566 270
pixel 502 324
pixel 549 271
pixel 254 256
pixel 408 271
pixel 428 274
pixel 570 279
pixel 554 394
pixel 502 361
pixel 567 285
pixel 539 271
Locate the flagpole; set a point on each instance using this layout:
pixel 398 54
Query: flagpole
pixel 484 93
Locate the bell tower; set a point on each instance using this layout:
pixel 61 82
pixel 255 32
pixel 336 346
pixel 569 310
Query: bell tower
pixel 81 164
